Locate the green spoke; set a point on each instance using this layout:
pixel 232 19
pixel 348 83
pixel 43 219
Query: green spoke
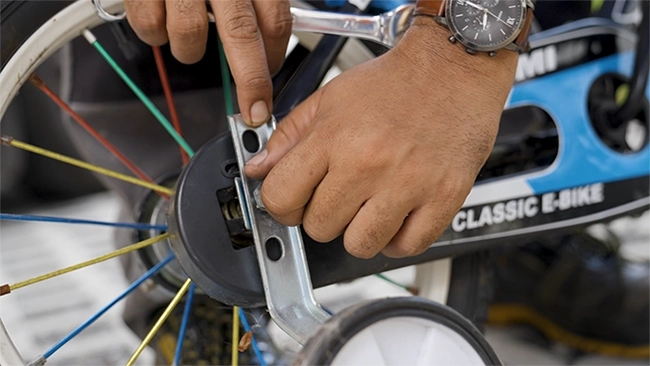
pixel 139 93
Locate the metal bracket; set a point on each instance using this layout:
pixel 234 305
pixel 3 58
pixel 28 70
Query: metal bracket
pixel 280 251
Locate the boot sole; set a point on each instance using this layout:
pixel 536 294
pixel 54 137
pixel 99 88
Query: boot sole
pixel 520 314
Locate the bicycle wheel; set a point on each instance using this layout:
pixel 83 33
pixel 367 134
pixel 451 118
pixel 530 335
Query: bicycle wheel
pixel 32 32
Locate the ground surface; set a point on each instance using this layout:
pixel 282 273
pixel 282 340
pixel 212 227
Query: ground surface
pixel 40 315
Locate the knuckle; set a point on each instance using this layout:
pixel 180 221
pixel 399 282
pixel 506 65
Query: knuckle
pixel 316 231
pixel 255 79
pixel 279 27
pixel 241 25
pixel 146 22
pixel 189 27
pixel 274 202
pixel 357 246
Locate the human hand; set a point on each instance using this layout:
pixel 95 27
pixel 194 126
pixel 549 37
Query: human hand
pixel 388 151
pixel 255 34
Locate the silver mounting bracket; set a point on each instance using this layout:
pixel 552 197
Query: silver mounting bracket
pixel 280 251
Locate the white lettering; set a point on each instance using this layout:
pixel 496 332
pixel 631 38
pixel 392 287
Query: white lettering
pixel 457 224
pixel 486 217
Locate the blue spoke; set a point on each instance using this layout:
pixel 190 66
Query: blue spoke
pixel 181 333
pixel 101 312
pixel 247 328
pixel 127 225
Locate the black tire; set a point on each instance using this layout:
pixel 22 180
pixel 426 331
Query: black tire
pixel 471 289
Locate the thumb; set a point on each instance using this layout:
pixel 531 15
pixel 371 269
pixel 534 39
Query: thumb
pixel 290 131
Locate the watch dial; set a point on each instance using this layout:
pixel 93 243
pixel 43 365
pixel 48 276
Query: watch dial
pixel 485 24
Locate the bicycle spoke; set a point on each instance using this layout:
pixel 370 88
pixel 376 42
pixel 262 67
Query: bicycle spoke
pixel 139 93
pixel 247 328
pixel 184 321
pixel 65 220
pixel 167 90
pixel 6 289
pixel 150 273
pixel 40 84
pixel 234 351
pixel 10 141
pixel 177 298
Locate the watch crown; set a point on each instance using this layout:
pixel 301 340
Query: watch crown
pixel 492 53
pixel 452 39
pixel 470 51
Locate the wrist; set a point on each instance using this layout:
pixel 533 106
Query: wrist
pixel 426 46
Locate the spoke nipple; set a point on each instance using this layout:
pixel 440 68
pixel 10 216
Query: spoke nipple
pixel 39 361
pixel 6 140
pixel 36 80
pixel 5 289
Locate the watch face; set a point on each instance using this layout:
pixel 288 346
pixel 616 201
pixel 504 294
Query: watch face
pixel 486 25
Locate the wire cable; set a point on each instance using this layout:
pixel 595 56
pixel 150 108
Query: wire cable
pixel 65 220
pixel 156 327
pixel 151 272
pixel 5 289
pixel 10 141
pixel 184 324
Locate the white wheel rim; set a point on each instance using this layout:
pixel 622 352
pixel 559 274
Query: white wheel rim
pixel 420 342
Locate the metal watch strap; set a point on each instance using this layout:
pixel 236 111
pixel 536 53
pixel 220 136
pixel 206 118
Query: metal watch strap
pixel 436 8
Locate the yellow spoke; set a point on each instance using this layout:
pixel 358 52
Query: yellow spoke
pixel 177 298
pixel 234 357
pixel 10 141
pixel 5 289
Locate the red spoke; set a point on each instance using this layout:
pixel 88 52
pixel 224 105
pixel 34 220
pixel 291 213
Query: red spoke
pixel 40 84
pixel 164 80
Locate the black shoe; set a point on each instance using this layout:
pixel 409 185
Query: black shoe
pixel 576 290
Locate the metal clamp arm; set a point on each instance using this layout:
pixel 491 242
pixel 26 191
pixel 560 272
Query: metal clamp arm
pixel 280 251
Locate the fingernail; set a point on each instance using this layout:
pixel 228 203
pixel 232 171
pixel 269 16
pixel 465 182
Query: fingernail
pixel 259 113
pixel 259 158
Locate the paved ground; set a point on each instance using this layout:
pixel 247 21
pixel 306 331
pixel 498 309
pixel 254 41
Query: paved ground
pixel 40 315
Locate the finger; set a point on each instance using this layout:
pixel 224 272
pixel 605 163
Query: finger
pixel 275 22
pixel 244 47
pixel 187 28
pixel 332 206
pixel 147 18
pixel 290 131
pixel 421 228
pixel 378 220
pixel 290 184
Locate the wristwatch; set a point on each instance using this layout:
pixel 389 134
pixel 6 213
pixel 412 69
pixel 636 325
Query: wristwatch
pixel 482 25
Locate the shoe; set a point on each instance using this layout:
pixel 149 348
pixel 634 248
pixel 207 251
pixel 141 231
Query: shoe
pixel 575 290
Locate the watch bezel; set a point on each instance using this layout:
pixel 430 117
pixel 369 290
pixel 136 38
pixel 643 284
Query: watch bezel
pixel 469 44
